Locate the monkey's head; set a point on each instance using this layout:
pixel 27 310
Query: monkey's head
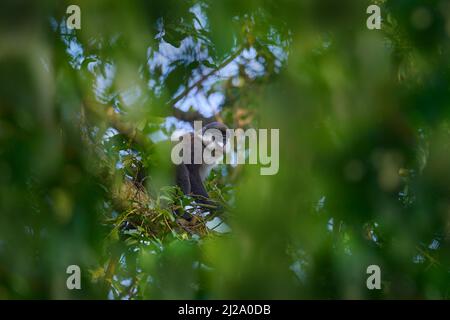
pixel 215 129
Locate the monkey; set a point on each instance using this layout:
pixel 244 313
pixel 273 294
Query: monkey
pixel 190 176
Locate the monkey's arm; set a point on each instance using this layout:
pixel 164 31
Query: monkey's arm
pixel 197 187
pixel 182 178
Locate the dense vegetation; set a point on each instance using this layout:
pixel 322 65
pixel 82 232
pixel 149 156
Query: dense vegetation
pixel 85 123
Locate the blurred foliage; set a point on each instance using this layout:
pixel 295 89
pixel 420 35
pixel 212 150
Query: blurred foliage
pixel 86 178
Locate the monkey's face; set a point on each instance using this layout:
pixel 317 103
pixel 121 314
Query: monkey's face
pixel 215 138
pixel 216 133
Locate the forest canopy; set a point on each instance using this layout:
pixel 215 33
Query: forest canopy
pixel 86 179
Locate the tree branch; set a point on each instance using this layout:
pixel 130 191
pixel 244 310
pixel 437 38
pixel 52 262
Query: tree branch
pixel 206 76
pixel 191 116
pixel 114 119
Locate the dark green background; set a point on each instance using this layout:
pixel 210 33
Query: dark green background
pixel 364 150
